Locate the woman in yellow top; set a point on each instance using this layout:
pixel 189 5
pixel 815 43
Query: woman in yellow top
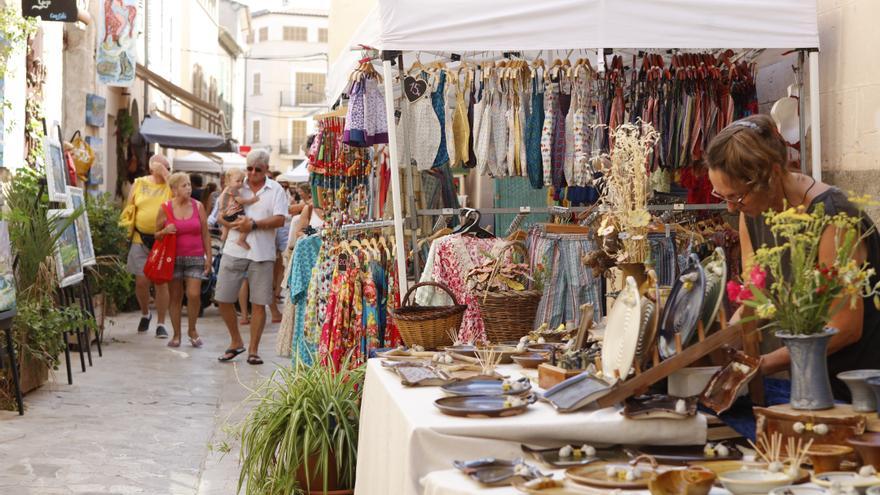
pixel 144 201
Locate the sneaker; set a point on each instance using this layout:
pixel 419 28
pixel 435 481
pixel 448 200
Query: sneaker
pixel 144 325
pixel 160 332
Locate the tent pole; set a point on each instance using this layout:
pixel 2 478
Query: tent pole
pixel 395 175
pixel 816 141
pixel 802 110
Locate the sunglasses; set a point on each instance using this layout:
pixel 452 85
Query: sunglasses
pixel 255 169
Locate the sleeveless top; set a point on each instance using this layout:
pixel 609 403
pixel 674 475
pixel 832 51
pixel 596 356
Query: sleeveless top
pixel 863 354
pixel 189 232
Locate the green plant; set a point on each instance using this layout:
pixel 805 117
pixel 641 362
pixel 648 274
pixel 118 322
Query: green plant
pixel 303 416
pixel 15 30
pixel 803 302
pixel 42 324
pixel 109 276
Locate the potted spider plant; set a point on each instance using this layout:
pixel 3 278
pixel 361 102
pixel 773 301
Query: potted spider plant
pixel 302 435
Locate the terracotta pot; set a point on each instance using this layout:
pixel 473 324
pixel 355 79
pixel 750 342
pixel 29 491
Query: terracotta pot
pixel 868 447
pixel 316 483
pixel 827 458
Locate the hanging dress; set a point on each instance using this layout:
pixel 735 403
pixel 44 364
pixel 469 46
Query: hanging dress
pixel 419 124
pixel 438 101
pixel 550 110
pixel 534 123
pixel 461 131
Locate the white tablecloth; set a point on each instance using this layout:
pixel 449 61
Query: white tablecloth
pixel 403 436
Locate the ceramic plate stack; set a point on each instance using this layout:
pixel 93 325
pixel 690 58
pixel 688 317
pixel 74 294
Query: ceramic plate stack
pixel 715 269
pixel 683 308
pixel 647 330
pixel 622 333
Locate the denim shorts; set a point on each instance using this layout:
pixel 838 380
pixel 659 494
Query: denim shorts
pixel 189 267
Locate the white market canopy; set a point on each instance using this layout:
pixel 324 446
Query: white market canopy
pixel 504 25
pixel 216 163
pixel 297 174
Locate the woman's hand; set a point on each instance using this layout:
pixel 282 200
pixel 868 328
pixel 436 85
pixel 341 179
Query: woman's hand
pixel 169 229
pixel 208 266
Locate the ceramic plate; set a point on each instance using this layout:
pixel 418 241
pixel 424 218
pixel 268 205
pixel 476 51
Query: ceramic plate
pixel 464 350
pixel 486 387
pixel 715 269
pixel 683 308
pixel 490 471
pixel 873 491
pixel 414 376
pixel 545 487
pixel 647 330
pixel 622 333
pixel 722 389
pixel 798 490
pixel 846 478
pixel 576 392
pixel 595 476
pixel 692 455
pixel 481 406
pixel 551 457
pixel 530 360
pixel 658 406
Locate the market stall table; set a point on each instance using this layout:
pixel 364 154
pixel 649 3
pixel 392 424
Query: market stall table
pixel 404 437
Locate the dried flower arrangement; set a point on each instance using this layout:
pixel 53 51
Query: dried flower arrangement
pixel 624 225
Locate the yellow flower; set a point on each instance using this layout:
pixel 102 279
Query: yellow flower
pixel 766 311
pixel 639 218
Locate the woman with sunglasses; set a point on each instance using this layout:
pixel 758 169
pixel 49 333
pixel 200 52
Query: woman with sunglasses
pixel 748 168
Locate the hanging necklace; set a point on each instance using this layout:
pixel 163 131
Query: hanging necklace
pixel 804 198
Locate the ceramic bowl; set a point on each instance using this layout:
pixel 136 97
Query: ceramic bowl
pixel 874 383
pixel 846 478
pixel 690 481
pixel 753 481
pixel 798 490
pixel 863 398
pixel 545 347
pixel 531 360
pixel 875 490
pixel 828 457
pixel 868 447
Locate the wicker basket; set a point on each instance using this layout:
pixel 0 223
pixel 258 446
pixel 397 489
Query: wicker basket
pixel 428 326
pixel 509 314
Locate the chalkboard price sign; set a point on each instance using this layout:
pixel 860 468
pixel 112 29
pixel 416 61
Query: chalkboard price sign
pixel 50 10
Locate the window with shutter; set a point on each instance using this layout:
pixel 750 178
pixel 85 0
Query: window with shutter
pixel 250 38
pixel 257 89
pixel 298 134
pixel 264 33
pixel 256 137
pixel 322 35
pixel 309 88
pixel 295 33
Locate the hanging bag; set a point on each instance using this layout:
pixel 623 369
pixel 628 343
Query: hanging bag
pixel 159 267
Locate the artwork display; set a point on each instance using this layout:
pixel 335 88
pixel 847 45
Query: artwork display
pixel 67 261
pixel 96 110
pixel 96 172
pixel 117 42
pixel 56 170
pixel 7 276
pixel 76 200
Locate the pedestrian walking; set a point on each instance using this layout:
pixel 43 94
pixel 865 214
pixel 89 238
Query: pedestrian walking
pixel 139 216
pixel 186 217
pixel 256 263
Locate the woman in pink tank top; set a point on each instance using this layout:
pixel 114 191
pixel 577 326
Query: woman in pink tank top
pixel 186 218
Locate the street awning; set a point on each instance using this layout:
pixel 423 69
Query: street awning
pixel 208 163
pixel 170 134
pixel 298 174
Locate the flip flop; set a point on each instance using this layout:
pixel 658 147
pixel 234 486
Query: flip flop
pixel 254 359
pixel 244 321
pixel 174 343
pixel 276 320
pixel 234 353
pixel 196 342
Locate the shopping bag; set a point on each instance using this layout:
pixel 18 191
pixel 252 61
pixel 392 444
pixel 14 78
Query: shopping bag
pixel 159 267
pixel 83 155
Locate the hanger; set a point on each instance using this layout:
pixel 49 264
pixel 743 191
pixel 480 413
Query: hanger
pixel 474 226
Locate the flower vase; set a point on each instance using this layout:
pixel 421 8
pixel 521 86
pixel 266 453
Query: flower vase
pixel 810 385
pixel 634 270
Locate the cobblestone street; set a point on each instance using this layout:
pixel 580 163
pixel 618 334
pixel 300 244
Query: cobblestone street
pixel 144 419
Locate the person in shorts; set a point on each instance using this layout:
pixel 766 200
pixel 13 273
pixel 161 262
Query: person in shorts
pixel 139 216
pixel 185 217
pixel 259 223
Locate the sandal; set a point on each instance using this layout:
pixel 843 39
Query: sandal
pixel 254 359
pixel 196 342
pixel 230 354
pixel 276 320
pixel 174 343
pixel 244 321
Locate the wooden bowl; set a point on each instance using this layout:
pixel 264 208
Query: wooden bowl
pixel 690 481
pixel 828 457
pixel 868 447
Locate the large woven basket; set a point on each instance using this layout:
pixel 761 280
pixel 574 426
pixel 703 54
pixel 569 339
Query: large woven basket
pixel 431 327
pixel 509 314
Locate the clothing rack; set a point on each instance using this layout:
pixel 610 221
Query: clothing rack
pixel 377 224
pixel 574 209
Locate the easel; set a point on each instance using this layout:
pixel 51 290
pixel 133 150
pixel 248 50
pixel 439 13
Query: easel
pixel 726 335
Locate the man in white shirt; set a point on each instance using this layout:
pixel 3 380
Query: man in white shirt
pixel 259 222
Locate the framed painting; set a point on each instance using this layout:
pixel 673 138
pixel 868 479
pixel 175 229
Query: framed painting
pixel 96 172
pixel 7 277
pixel 56 170
pixel 76 200
pixel 96 110
pixel 67 262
